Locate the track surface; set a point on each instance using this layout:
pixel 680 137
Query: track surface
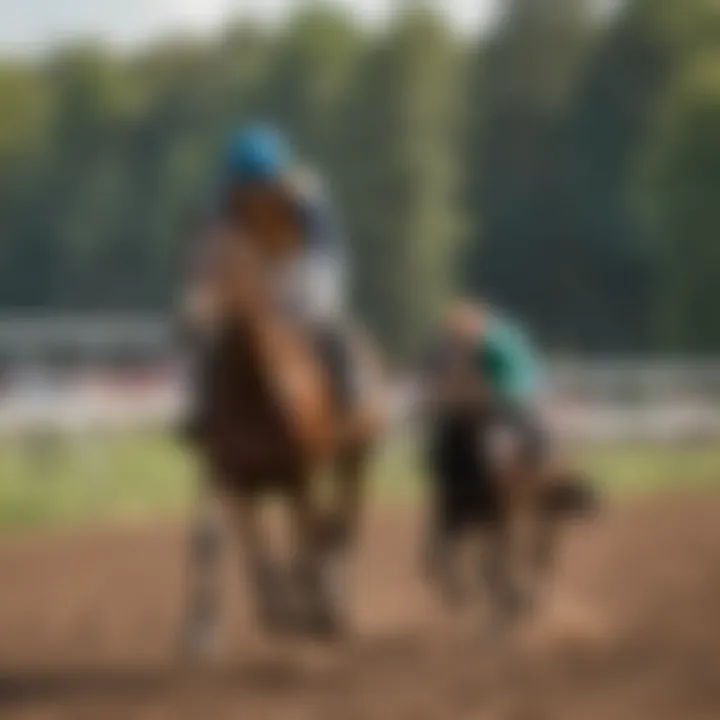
pixel 87 625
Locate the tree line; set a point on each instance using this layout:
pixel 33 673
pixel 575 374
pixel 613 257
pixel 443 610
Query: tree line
pixel 566 167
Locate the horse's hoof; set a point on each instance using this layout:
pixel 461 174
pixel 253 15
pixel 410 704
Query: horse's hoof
pixel 324 623
pixel 279 624
pixel 199 646
pixel 433 563
pixel 326 627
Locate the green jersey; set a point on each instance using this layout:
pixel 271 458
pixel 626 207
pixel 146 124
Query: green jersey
pixel 508 362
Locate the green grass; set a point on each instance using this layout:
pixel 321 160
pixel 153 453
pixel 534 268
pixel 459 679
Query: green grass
pixel 97 479
pixel 619 469
pixel 101 479
pixel 633 469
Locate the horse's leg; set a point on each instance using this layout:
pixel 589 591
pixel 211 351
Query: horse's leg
pixel 544 550
pixel 540 536
pixel 441 555
pixel 343 529
pixel 311 533
pixel 205 547
pixel 349 480
pixel 268 596
pixel 506 599
pixel 435 548
pixel 447 570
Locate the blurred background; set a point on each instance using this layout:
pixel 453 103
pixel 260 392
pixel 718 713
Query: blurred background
pixel 531 152
pixel 558 157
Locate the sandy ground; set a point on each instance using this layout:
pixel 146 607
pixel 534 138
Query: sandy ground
pixel 88 622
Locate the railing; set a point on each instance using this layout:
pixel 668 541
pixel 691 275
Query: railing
pixel 109 406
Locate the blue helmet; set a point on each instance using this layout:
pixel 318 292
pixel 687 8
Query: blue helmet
pixel 257 153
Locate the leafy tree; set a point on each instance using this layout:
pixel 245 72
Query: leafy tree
pixel 610 256
pixel 400 157
pixel 681 184
pixel 520 88
pixel 531 145
pixel 306 82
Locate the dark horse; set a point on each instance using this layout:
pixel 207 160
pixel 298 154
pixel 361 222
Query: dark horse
pixel 272 425
pixel 487 481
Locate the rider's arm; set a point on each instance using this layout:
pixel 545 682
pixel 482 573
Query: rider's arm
pixel 450 382
pixel 325 254
pixel 199 262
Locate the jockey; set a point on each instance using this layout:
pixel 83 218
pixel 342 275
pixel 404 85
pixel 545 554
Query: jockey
pixel 508 370
pixel 484 368
pixel 286 211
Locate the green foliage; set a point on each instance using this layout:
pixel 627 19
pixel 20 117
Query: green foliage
pixel 531 146
pixel 681 186
pixel 66 481
pixel 24 117
pixel 401 165
pixel 522 85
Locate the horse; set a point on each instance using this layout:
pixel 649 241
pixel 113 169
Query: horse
pixel 484 484
pixel 272 426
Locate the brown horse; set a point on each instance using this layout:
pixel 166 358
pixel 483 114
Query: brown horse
pixel 272 425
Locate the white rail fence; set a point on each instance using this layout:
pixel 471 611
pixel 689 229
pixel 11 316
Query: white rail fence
pixel 108 404
pixel 56 377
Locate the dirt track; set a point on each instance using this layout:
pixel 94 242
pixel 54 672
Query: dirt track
pixel 87 626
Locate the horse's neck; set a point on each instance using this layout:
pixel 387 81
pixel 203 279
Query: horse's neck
pixel 274 358
pixel 263 341
pixel 239 341
pixel 239 367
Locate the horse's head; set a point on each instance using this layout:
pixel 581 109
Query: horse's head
pixel 230 283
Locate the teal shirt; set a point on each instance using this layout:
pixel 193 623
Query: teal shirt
pixel 509 362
